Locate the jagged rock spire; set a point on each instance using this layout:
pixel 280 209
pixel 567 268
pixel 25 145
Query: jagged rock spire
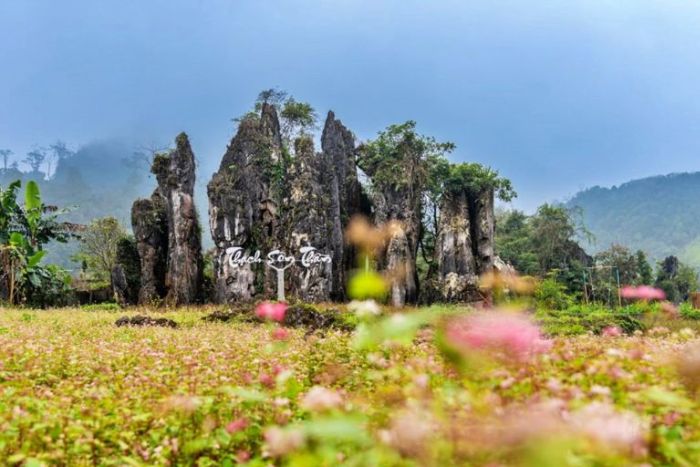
pixel 243 204
pixel 345 191
pixel 167 231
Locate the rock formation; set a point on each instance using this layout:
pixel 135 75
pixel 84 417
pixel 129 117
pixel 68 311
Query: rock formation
pixel 345 191
pixel 150 225
pixel 243 204
pixel 126 274
pixel 167 231
pixel 400 206
pixel 308 222
pixel 454 254
pixel 464 246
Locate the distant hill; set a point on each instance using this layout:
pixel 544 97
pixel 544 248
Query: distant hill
pixel 660 215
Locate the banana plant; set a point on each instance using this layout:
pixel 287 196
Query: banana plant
pixel 23 232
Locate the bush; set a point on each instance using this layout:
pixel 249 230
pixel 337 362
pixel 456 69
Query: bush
pixel 101 307
pixel 48 286
pixel 581 319
pixel 688 312
pixel 552 295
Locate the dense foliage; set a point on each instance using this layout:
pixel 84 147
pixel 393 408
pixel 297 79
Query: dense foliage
pixel 24 230
pixel 98 247
pixel 657 215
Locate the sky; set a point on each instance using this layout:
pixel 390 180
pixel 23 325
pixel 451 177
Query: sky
pixel 555 95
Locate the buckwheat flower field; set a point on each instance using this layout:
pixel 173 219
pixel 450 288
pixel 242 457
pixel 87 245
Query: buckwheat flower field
pixel 402 389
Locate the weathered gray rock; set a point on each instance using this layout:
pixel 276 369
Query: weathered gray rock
pixel 175 173
pixel 167 231
pixel 243 205
pixel 345 192
pixel 338 144
pixel 464 247
pixel 457 276
pixel 150 225
pixel 119 285
pixel 400 206
pixel 307 224
pixel 485 230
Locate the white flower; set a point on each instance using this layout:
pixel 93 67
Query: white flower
pixel 364 308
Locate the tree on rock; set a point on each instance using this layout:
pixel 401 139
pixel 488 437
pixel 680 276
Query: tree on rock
pixel 399 162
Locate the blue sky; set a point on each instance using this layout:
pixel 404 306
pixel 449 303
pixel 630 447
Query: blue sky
pixel 556 95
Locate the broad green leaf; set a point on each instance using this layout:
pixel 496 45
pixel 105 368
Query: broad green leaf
pixel 32 196
pixel 35 259
pixel 17 239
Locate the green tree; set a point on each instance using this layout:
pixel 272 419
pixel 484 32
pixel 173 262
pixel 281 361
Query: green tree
pixel 676 279
pixel 620 260
pixel 98 247
pixel 554 230
pixel 297 118
pixel 646 273
pixel 514 242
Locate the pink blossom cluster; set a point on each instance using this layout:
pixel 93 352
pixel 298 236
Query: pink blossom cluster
pixel 510 333
pixel 643 292
pixel 273 311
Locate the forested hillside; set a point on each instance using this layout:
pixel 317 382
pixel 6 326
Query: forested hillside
pixel 660 215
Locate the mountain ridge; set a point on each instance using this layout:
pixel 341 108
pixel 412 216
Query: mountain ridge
pixel 659 215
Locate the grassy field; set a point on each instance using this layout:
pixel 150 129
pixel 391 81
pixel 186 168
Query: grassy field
pixel 77 390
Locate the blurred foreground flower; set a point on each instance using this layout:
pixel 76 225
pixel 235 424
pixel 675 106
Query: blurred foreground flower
pixel 507 282
pixel 670 310
pixel 236 425
pixel 602 423
pixel 364 308
pixel 367 285
pixel 410 433
pixel 611 331
pixel 273 311
pixel 508 333
pixel 688 366
pixel 280 334
pixel 361 233
pixel 319 399
pixel 643 292
pixel 281 441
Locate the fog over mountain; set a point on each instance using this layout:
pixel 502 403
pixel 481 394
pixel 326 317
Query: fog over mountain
pixel 101 178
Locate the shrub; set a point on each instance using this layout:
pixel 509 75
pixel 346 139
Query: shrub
pixel 580 319
pixel 552 295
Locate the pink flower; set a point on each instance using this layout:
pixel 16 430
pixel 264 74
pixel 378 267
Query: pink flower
pixel 282 441
pixel 643 292
pixel 280 334
pixel 319 399
pixel 670 310
pixel 611 331
pixel 267 380
pixel 236 425
pixel 509 333
pixel 601 422
pixel 273 311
